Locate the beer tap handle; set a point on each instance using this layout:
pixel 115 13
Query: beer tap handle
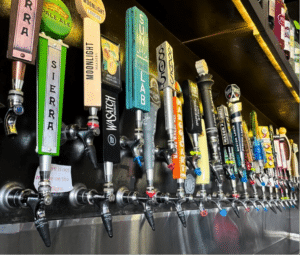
pixel 149 129
pixel 192 119
pixel 22 48
pixel 205 83
pixel 166 78
pixel 37 206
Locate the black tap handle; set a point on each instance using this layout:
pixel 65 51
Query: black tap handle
pixel 91 152
pixel 205 84
pixel 191 107
pixel 41 223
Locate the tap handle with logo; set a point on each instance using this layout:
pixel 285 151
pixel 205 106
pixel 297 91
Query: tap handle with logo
pixel 55 26
pixel 226 140
pixel 111 87
pixel 24 27
pixel 93 14
pixel 137 60
pixel 166 79
pixel 205 83
pixel 149 128
pixel 233 93
pixel 192 121
pixel 178 158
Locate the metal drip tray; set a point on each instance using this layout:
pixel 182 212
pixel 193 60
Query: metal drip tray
pixel 255 232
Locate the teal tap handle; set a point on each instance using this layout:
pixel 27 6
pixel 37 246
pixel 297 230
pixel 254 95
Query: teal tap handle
pixel 137 60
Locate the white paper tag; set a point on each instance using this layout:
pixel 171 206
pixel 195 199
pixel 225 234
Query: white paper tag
pixel 60 178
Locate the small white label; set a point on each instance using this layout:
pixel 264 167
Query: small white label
pixel 60 178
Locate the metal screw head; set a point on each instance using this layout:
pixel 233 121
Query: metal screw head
pixel 111 198
pixel 48 199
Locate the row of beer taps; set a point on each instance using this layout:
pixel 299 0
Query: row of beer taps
pixel 218 139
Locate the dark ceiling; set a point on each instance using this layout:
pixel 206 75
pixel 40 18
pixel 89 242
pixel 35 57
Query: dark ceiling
pixel 215 31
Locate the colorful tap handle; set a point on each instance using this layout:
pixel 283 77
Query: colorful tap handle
pixel 149 129
pixel 232 93
pixel 50 89
pixel 205 82
pixel 192 120
pixel 247 143
pixel 137 60
pixel 267 146
pixel 111 87
pixel 178 158
pixel 279 162
pixel 24 27
pixel 51 76
pixel 226 138
pixel 271 132
pixel 93 14
pixel 203 163
pixel 287 147
pixel 166 79
pixel 257 142
pixel 283 155
pixel 294 160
